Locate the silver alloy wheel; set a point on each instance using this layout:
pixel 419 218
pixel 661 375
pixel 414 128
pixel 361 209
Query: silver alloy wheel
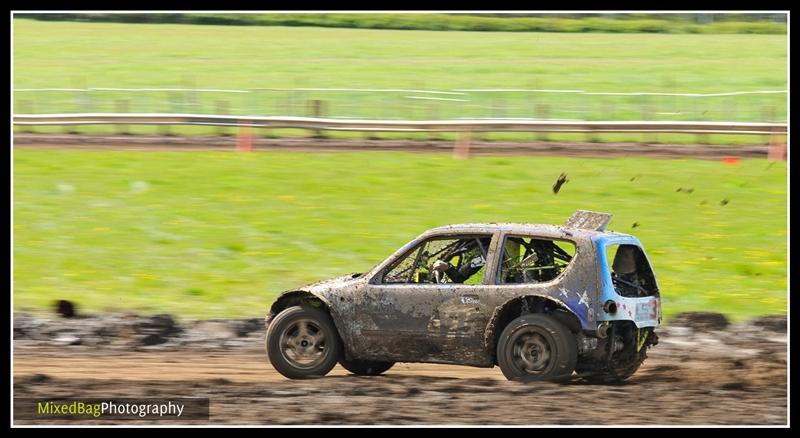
pixel 531 352
pixel 302 344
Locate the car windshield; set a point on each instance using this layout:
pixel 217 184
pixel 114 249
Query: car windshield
pixel 457 259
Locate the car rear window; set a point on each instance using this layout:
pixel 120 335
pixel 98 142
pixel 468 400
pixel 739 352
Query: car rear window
pixel 631 273
pixel 528 259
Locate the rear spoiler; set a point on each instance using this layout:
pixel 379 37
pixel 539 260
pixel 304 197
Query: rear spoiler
pixel 589 220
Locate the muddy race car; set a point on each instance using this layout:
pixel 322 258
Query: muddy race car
pixel 540 301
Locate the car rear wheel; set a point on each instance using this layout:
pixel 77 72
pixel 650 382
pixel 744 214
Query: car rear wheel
pixel 537 347
pixel 302 342
pixel 365 367
pixel 623 363
pixel 610 373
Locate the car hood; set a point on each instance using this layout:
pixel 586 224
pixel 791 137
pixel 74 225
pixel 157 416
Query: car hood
pixel 333 283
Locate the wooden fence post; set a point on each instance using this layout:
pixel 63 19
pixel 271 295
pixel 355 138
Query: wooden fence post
pixel 433 114
pixel 768 115
pixel 647 116
pixel 542 113
pixel 26 107
pixel 222 109
pixel 244 142
pixel 172 98
pixel 462 145
pixel 777 146
pixel 316 108
pixel 122 106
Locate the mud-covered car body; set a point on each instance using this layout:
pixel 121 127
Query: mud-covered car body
pixel 458 323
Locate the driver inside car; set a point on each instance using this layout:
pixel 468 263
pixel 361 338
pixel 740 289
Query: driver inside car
pixel 463 262
pixel 623 271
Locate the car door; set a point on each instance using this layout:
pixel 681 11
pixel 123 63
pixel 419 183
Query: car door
pixel 417 318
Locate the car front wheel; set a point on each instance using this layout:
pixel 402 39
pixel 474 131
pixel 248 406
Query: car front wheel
pixel 302 342
pixel 537 347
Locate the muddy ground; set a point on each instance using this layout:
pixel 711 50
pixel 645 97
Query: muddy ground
pixel 478 147
pixel 704 371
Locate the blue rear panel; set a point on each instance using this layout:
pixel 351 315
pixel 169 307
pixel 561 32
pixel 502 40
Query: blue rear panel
pixel 644 311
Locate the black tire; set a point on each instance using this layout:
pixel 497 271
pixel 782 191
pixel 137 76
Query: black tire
pixel 622 364
pixel 537 347
pixel 365 367
pixel 614 373
pixel 311 344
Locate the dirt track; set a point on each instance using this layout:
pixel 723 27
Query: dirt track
pixel 732 376
pixel 575 149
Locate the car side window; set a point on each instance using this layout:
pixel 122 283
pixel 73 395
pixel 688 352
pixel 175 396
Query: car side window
pixel 527 259
pixel 439 260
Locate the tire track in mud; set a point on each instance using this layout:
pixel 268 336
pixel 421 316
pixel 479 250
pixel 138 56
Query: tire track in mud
pixel 400 398
pixel 733 375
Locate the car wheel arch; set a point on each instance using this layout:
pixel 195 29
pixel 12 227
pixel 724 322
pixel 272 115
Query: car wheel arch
pixel 514 307
pixel 303 297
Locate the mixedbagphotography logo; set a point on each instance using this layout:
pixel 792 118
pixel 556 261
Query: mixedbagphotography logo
pixel 180 409
pixel 79 408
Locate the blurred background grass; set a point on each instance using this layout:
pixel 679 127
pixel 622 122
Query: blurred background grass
pixel 213 234
pixel 67 55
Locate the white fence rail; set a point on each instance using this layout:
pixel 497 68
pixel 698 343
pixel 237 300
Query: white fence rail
pixel 475 125
pixel 400 90
pixel 415 103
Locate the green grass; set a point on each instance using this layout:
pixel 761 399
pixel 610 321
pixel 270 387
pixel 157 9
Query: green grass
pixel 219 234
pixel 56 54
pixel 69 55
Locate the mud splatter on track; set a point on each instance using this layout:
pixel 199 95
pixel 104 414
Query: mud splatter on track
pixel 732 376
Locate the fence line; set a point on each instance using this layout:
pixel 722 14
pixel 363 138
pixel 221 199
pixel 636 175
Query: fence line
pixel 603 93
pixel 477 125
pixel 368 90
pixel 393 90
pixel 200 90
pixel 436 98
pixel 28 90
pixel 734 93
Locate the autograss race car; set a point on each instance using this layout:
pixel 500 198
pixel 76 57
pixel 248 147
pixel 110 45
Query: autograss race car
pixel 540 301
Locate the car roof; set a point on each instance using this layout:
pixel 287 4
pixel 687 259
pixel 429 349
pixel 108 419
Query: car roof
pixel 544 230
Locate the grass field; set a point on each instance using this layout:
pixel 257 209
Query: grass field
pixel 56 54
pixel 213 234
pixel 70 55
